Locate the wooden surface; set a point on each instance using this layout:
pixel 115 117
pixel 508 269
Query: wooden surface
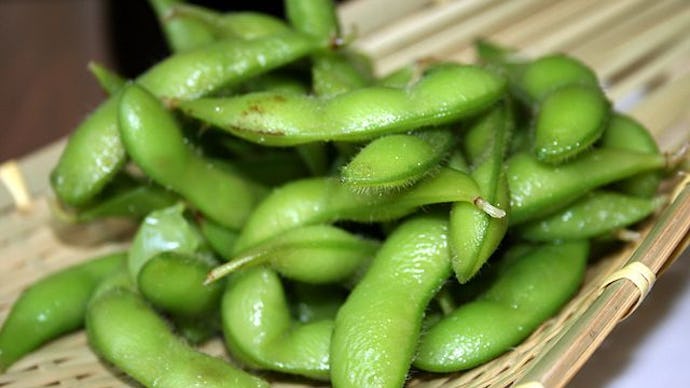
pixel 46 89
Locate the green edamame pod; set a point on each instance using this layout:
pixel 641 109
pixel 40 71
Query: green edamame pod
pixel 625 132
pixel 260 331
pixel 95 153
pixel 174 282
pixel 527 290
pixel 322 200
pixel 130 202
pixel 376 330
pixel 219 238
pixel 165 230
pixel 569 120
pixel 237 24
pixel 126 332
pixel 537 189
pixel 52 306
pixel 473 234
pixel 444 95
pixel 334 73
pixel 310 254
pixel 181 34
pixel 596 214
pixel 501 57
pixel 154 140
pixel 397 161
pixel 317 18
pixel 107 79
pixel 542 76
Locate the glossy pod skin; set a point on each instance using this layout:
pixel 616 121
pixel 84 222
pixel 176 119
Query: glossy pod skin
pixel 52 306
pixel 174 282
pixel 568 121
pixel 625 132
pixel 94 152
pixel 376 330
pixel 597 214
pixel 323 200
pixel 537 189
pixel 124 330
pixel 542 76
pixel 217 26
pixel 154 140
pixel 397 161
pixel 527 290
pixel 181 34
pixel 168 262
pixel 165 230
pixel 109 81
pixel 447 94
pixel 260 331
pixel 313 254
pixel 473 234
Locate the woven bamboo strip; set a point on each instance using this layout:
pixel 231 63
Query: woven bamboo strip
pixel 442 44
pixel 624 29
pixel 590 27
pixel 413 28
pixel 661 66
pixel 364 16
pixel 664 33
pixel 556 367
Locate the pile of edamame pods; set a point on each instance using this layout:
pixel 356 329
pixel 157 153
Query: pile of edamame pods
pixel 327 222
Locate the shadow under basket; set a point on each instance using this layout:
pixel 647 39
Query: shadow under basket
pixel 640 50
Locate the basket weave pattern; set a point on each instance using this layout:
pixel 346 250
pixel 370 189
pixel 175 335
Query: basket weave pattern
pixel 640 49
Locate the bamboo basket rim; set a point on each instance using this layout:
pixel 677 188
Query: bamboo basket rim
pixel 639 47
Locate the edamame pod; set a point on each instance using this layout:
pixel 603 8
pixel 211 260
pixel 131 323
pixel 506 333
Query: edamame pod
pixel 542 76
pixel 568 121
pixel 181 34
pixel 165 230
pixel 625 132
pixel 596 214
pixel 52 306
pixel 109 81
pixel 154 140
pixel 260 331
pixel 219 238
pixel 310 254
pixel 374 338
pixel 527 291
pixel 537 189
pixel 174 282
pixel 94 152
pixel 236 24
pixel 126 332
pixel 322 200
pixel 129 202
pixel 313 17
pixel 473 234
pixel 444 95
pixel 397 161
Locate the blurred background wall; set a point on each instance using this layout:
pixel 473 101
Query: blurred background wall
pixel 45 46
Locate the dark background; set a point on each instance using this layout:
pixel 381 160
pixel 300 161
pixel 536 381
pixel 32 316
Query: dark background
pixel 45 46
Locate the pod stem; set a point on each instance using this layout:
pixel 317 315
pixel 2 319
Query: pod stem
pixel 230 267
pixel 488 208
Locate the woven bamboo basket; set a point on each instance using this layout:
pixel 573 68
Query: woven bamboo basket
pixel 639 48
